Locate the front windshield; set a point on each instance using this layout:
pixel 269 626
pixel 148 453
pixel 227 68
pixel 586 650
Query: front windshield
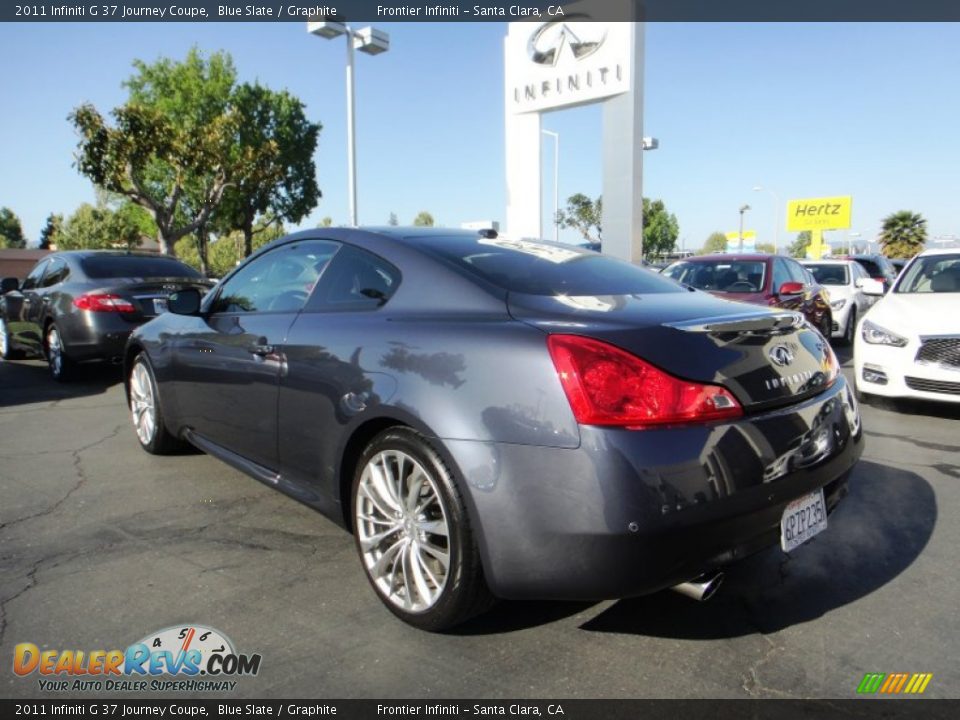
pixel 731 276
pixel 932 274
pixel 828 273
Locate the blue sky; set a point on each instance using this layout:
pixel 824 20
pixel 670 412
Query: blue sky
pixel 869 110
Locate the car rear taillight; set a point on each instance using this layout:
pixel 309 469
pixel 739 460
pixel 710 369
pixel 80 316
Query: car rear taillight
pixel 608 386
pixel 103 302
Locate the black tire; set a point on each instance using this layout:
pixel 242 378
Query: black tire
pixel 142 388
pixel 850 330
pixel 826 327
pixel 62 368
pixel 463 593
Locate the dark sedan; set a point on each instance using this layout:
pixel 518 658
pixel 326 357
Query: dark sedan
pixel 500 418
pixel 761 279
pixel 80 306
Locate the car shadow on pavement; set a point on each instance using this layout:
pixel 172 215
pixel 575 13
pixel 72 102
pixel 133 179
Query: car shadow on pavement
pixel 27 382
pixel 875 534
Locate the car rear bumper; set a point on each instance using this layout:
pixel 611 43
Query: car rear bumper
pixel 91 336
pixel 631 512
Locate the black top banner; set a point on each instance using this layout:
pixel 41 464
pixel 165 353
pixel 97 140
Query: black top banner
pixel 485 11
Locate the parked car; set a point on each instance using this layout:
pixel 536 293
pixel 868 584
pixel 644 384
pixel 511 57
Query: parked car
pixel 899 264
pixel 909 344
pixel 80 306
pixel 506 418
pixel 769 280
pixel 844 281
pixel 878 267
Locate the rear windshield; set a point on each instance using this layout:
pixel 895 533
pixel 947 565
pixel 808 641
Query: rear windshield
pixel 135 266
pixel 542 268
pixel 828 273
pixel 732 276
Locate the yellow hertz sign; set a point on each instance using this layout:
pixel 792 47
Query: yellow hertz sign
pixel 830 213
pixel 894 683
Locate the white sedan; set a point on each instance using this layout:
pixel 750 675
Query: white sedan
pixel 909 344
pixel 845 282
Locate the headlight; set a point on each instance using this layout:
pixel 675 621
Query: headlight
pixel 837 304
pixel 876 335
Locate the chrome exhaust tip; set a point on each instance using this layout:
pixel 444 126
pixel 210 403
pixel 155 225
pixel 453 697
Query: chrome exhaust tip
pixel 700 588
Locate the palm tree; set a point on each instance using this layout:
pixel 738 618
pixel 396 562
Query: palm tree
pixel 904 234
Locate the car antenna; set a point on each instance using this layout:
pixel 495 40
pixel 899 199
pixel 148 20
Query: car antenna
pixel 488 233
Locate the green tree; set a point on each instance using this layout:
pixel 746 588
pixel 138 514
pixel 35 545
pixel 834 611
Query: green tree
pixel 99 227
pixel 11 232
pixel 660 228
pixel 903 234
pixel 583 215
pixel 423 219
pixel 52 228
pixel 173 147
pixel 716 243
pixel 282 185
pixel 767 248
pixel 326 221
pixel 798 248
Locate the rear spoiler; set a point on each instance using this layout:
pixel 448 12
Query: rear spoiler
pixel 772 323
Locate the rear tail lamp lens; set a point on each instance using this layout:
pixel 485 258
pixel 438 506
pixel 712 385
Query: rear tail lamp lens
pixel 608 386
pixel 103 302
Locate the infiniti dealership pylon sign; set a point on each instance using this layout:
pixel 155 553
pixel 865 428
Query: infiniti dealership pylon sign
pixel 568 63
pixel 565 62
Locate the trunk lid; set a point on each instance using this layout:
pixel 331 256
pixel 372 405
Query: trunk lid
pixel 149 295
pixel 766 358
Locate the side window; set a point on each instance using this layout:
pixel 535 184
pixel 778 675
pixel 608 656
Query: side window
pixel 280 281
pixel 356 281
pixel 780 274
pixel 33 279
pixel 56 272
pixel 797 273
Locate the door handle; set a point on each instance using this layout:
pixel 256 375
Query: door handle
pixel 261 350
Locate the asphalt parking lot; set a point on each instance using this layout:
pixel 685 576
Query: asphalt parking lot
pixel 100 544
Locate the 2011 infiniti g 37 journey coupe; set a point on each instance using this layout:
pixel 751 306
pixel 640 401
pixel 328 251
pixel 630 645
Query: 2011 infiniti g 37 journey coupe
pixel 498 418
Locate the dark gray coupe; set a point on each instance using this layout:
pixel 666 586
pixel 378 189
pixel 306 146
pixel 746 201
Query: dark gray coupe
pixel 503 418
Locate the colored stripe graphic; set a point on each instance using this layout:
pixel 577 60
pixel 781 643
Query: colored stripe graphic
pixel 894 683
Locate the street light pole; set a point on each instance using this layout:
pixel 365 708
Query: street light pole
pixel 351 133
pixel 776 217
pixel 556 183
pixel 372 42
pixel 743 209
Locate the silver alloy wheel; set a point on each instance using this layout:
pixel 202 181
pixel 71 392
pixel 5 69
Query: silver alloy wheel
pixel 54 351
pixel 143 407
pixel 402 529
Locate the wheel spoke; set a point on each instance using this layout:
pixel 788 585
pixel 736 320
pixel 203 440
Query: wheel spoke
pixel 434 527
pixel 370 491
pixel 381 484
pixel 370 542
pixel 423 589
pixel 439 553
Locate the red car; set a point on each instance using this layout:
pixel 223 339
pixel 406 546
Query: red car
pixel 760 279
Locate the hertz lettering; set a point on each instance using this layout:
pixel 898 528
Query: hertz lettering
pixel 817 210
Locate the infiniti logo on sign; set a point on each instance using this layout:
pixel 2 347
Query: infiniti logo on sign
pixel 781 355
pixel 548 42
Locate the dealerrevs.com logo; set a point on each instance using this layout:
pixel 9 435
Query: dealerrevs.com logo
pixel 186 658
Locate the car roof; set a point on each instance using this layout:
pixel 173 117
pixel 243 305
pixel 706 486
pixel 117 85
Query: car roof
pixel 939 251
pixel 728 256
pixel 80 254
pixel 829 261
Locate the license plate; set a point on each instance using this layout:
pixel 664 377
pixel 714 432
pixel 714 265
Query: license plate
pixel 802 519
pixel 159 305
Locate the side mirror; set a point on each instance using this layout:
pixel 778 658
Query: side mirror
pixel 791 288
pixel 184 302
pixel 9 284
pixel 870 286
